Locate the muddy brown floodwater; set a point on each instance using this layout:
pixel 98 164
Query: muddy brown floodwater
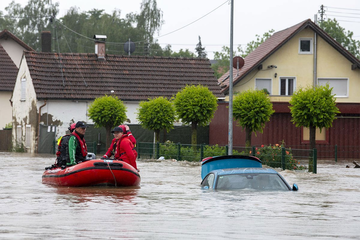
pixel 169 204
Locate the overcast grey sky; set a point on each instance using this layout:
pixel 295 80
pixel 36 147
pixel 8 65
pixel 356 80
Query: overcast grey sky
pixel 251 18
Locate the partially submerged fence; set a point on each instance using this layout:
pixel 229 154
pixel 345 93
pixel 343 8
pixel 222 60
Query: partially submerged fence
pixel 271 155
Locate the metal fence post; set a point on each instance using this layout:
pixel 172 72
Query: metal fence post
pixel 283 158
pixel 336 153
pixel 157 150
pixel 315 160
pixel 138 149
pixel 227 150
pixel 94 146
pixel 179 152
pixel 201 152
pixel 253 151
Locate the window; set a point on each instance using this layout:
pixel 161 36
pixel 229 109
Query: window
pixel 287 86
pixel 208 182
pixel 263 84
pixel 28 136
pixel 320 137
pixel 305 46
pixel 339 85
pixel 23 89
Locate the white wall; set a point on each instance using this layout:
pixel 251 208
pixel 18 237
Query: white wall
pixel 68 111
pixel 6 109
pixel 13 49
pixel 22 109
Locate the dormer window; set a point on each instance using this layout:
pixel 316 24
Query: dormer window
pixel 305 46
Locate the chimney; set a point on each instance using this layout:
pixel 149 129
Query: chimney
pixel 46 41
pixel 100 46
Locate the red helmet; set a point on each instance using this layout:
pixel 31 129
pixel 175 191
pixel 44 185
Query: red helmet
pixel 72 127
pixel 123 128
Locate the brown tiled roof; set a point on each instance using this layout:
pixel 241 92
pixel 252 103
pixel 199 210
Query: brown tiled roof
pixel 8 71
pixel 272 44
pixel 83 76
pixel 5 34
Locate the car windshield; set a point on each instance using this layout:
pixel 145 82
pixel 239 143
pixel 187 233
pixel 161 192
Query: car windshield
pixel 258 181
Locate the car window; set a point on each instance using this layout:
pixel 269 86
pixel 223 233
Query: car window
pixel 261 181
pixel 208 182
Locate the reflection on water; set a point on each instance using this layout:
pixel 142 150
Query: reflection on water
pixel 169 204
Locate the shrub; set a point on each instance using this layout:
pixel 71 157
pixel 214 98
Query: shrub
pixel 271 156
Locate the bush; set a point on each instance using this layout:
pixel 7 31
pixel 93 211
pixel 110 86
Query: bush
pixel 271 156
pixel 169 150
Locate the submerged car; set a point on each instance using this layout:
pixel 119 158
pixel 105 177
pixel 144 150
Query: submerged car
pixel 241 172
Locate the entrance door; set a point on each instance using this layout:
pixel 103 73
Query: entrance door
pixel 47 139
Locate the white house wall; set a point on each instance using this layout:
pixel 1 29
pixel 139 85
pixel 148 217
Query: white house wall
pixel 62 113
pixel 13 49
pixel 6 110
pixel 24 111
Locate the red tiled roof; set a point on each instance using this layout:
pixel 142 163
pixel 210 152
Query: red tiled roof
pixel 6 34
pixel 83 76
pixel 8 71
pixel 272 44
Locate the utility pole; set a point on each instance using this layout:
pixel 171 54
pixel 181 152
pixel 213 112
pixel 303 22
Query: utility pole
pixel 230 142
pixel 322 13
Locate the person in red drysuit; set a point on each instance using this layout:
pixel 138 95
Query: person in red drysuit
pixel 122 146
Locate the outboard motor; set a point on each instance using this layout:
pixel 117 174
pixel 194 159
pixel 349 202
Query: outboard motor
pixel 90 156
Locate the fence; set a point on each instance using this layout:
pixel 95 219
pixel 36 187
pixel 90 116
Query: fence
pixel 273 156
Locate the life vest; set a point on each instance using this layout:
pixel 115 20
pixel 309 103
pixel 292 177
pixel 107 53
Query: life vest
pixel 81 150
pixel 63 151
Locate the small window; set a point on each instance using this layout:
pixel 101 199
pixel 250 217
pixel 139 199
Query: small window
pixel 28 136
pixel 261 84
pixel 305 46
pixel 23 89
pixel 287 86
pixel 208 182
pixel 320 137
pixel 339 86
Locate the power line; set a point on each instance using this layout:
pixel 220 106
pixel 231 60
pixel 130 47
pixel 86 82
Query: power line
pixel 341 16
pixel 192 21
pixel 352 9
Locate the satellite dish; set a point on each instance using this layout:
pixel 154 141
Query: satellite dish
pixel 238 62
pixel 129 47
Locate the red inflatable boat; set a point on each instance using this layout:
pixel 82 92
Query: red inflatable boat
pixel 93 173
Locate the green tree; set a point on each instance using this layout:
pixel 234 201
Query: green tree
pixel 313 108
pixel 195 105
pixel 252 108
pixel 107 111
pixel 200 50
pixel 345 38
pixel 223 57
pixel 27 23
pixel 156 114
pixel 150 19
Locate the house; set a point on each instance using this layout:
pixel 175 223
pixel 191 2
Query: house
pixel 296 57
pixel 11 50
pixel 53 90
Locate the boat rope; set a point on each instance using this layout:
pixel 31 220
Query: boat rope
pixel 112 174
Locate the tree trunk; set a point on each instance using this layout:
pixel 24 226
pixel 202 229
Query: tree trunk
pixel 157 136
pixel 312 137
pixel 248 133
pixel 194 134
pixel 109 137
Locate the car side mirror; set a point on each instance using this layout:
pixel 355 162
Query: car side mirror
pixel 295 187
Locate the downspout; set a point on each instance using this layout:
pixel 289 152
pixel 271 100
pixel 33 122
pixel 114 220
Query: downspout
pixel 315 55
pixel 38 140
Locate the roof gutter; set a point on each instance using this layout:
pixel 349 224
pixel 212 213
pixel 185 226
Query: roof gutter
pixel 38 139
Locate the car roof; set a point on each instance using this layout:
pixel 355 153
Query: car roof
pixel 230 171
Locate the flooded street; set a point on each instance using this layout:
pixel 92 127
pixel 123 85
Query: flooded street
pixel 170 205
